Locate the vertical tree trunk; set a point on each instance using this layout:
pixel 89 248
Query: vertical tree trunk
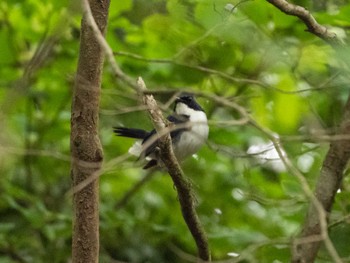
pixel 86 150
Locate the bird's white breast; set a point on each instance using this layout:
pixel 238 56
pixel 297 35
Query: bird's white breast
pixel 192 139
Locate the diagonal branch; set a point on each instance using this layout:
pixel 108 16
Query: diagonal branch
pixel 331 176
pixel 319 211
pixel 181 182
pixel 303 14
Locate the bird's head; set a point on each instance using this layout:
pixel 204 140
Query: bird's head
pixel 185 104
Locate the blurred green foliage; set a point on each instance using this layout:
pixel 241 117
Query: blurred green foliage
pixel 290 82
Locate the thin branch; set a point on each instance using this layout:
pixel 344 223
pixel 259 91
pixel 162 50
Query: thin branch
pixel 304 15
pixel 181 182
pixel 315 137
pixel 221 74
pixel 185 257
pixel 109 55
pixel 36 152
pixel 133 190
pixel 344 219
pixel 198 68
pixel 96 174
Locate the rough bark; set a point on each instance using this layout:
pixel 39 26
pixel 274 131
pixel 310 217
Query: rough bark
pixel 86 150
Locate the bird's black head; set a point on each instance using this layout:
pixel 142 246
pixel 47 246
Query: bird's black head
pixel 189 100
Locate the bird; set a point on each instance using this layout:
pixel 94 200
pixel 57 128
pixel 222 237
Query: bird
pixel 189 131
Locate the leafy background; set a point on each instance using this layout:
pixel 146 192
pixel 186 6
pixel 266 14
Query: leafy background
pixel 289 81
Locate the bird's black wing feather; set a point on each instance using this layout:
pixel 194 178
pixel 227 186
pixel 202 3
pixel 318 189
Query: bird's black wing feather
pixel 177 119
pixel 131 133
pixel 145 136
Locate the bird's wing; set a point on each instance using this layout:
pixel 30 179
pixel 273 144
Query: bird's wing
pixel 176 119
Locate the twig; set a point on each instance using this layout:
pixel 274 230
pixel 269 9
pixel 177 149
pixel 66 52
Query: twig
pixel 36 152
pixel 132 191
pixel 96 174
pixel 109 55
pixel 303 14
pixel 185 257
pixel 221 74
pixel 198 68
pixel 344 219
pixel 181 182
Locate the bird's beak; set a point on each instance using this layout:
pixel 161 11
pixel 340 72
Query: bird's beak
pixel 178 99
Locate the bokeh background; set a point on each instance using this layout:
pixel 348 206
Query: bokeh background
pixel 240 53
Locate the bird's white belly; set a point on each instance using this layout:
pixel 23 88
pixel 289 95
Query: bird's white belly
pixel 191 141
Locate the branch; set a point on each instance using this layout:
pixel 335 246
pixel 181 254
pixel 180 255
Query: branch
pixel 194 67
pixel 221 74
pixel 181 182
pixel 304 15
pixel 330 179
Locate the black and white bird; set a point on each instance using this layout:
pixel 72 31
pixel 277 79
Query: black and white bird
pixel 188 134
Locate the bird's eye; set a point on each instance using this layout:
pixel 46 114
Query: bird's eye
pixel 186 98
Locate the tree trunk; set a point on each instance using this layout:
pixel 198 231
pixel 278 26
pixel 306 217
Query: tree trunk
pixel 86 150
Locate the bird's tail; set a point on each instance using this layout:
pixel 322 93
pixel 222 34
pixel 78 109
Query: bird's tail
pixel 130 132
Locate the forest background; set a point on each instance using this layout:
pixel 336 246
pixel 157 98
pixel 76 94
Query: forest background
pixel 275 94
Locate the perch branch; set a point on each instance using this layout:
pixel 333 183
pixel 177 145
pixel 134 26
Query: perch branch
pixel 181 182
